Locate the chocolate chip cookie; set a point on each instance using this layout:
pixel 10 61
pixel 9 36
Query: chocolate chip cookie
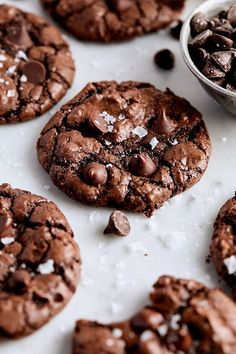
pixel 39 262
pixel 184 317
pixel 125 145
pixel 36 67
pixel 223 249
pixel 113 20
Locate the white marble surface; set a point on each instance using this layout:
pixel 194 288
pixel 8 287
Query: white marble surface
pixel 116 274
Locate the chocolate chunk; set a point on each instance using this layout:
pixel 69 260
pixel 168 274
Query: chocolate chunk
pixel 97 123
pixel 142 165
pixel 175 30
pixel 5 223
pixel 165 59
pixel 147 318
pixel 95 174
pixel 113 20
pixel 19 36
pixel 198 23
pixel 224 59
pixel 36 66
pixel 232 15
pixel 35 72
pixel 211 71
pixel 118 224
pixel 199 56
pixel 163 127
pixel 224 30
pixel 216 43
pixel 39 262
pixel 201 39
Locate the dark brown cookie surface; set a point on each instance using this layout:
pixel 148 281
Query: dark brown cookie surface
pixel 112 20
pixel 185 317
pixel 36 67
pixel 125 145
pixel 223 248
pixel 39 262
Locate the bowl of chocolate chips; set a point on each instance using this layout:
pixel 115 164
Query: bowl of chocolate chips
pixel 208 46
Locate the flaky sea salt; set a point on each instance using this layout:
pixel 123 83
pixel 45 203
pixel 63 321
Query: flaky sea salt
pixel 172 239
pixel 2 57
pixel 23 78
pixel 11 70
pixel 230 264
pixel 146 335
pixel 135 247
pixel 7 240
pixel 140 131
pixel 174 322
pixel 47 267
pixel 110 342
pixel 163 329
pixel 21 55
pixel 11 93
pixel 154 143
pixel 117 332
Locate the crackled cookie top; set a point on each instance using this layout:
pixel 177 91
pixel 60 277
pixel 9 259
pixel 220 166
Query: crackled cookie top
pixel 36 67
pixel 125 145
pixel 223 248
pixel 112 20
pixel 39 261
pixel 184 317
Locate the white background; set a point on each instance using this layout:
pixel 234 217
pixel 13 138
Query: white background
pixel 117 276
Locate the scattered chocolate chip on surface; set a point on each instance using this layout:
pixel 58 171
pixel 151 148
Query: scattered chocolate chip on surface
pixel 212 46
pixel 184 317
pixel 115 20
pixel 144 147
pixel 118 224
pixel 39 262
pixel 36 66
pixel 165 59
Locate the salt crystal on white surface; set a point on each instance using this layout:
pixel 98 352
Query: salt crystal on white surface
pixel 135 247
pixel 63 329
pixel 230 264
pixel 46 187
pixel 175 199
pixel 47 267
pixel 94 216
pixel 2 57
pixel 224 139
pixel 11 93
pixel 140 131
pixel 23 78
pixel 117 332
pixel 154 143
pixel 17 164
pixel 172 239
pixel 146 335
pixel 116 308
pixel 101 245
pixel 7 240
pixel 21 55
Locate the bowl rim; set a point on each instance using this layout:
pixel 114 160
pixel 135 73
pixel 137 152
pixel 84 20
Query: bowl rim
pixel 184 37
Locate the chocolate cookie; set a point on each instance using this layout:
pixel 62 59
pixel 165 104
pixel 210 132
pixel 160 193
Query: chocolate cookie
pixel 223 249
pixel 125 145
pixel 113 20
pixel 185 317
pixel 36 67
pixel 39 261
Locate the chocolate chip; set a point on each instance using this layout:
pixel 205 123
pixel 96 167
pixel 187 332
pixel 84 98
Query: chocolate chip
pixel 175 31
pixel 142 165
pixel 19 36
pixel 211 71
pixel 97 123
pixel 199 56
pixel 224 59
pixel 5 223
pixel 165 59
pixel 146 319
pixel 163 124
pixel 214 22
pixel 34 71
pixel 198 23
pixel 224 30
pixel 18 281
pixel 217 42
pixel 232 15
pixel 200 39
pixel 95 174
pixel 118 224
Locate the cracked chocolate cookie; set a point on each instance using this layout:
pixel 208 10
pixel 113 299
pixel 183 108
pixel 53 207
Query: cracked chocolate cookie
pixel 184 317
pixel 125 145
pixel 36 67
pixel 223 249
pixel 113 20
pixel 39 262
